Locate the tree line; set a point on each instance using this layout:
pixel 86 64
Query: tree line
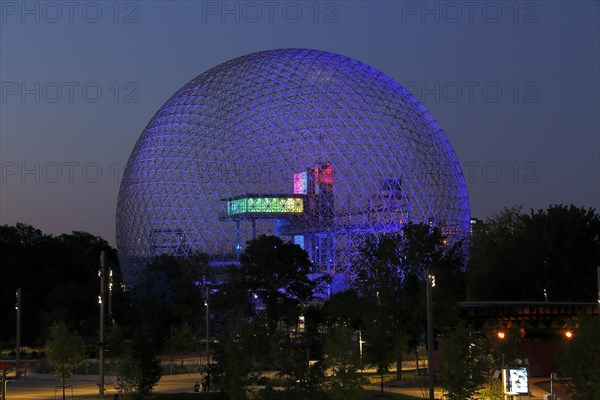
pixel 58 277
pixel 270 314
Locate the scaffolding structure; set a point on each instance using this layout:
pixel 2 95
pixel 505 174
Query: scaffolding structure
pixel 309 145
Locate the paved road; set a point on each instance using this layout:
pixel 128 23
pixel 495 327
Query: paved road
pixel 46 387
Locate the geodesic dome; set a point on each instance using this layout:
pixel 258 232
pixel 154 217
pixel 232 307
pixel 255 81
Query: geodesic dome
pixel 312 146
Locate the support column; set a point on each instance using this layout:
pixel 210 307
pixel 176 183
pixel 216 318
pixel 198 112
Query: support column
pixel 238 239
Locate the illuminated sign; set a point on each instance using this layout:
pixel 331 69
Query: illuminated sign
pixel 515 380
pixel 266 205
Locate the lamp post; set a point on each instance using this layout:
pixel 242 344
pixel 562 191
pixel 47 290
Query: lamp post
pixel 101 274
pixel 360 348
pixel 430 285
pixel 206 309
pixel 207 382
pixel 110 289
pixel 552 377
pixel 18 341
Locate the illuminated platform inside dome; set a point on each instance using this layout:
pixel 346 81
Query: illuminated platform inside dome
pixel 268 206
pixel 306 216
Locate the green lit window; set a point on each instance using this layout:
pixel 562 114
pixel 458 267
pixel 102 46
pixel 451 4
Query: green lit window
pixel 265 205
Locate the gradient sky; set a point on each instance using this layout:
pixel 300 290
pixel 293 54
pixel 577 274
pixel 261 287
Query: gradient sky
pixel 514 84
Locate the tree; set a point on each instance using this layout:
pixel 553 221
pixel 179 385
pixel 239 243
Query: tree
pixel 259 305
pixel 277 272
pixel 580 360
pixel 349 310
pixel 182 338
pixel 546 255
pixel 56 276
pixel 163 305
pixel 392 270
pixel 239 336
pixel 232 370
pixel 461 369
pixel 564 251
pixel 382 281
pixel 424 249
pixel 134 365
pixel 342 359
pixel 168 295
pixel 65 351
pixel 493 390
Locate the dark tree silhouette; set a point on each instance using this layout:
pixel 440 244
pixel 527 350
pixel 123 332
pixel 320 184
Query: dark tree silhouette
pixel 58 277
pixel 545 255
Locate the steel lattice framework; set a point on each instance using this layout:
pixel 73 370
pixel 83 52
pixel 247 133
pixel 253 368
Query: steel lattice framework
pixel 312 146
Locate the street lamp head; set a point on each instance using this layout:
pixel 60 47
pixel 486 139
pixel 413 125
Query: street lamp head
pixel 432 280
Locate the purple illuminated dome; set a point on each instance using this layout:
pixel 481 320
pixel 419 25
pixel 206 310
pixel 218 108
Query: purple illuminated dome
pixel 315 147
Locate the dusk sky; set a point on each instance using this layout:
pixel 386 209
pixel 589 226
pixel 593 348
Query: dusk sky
pixel 514 84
